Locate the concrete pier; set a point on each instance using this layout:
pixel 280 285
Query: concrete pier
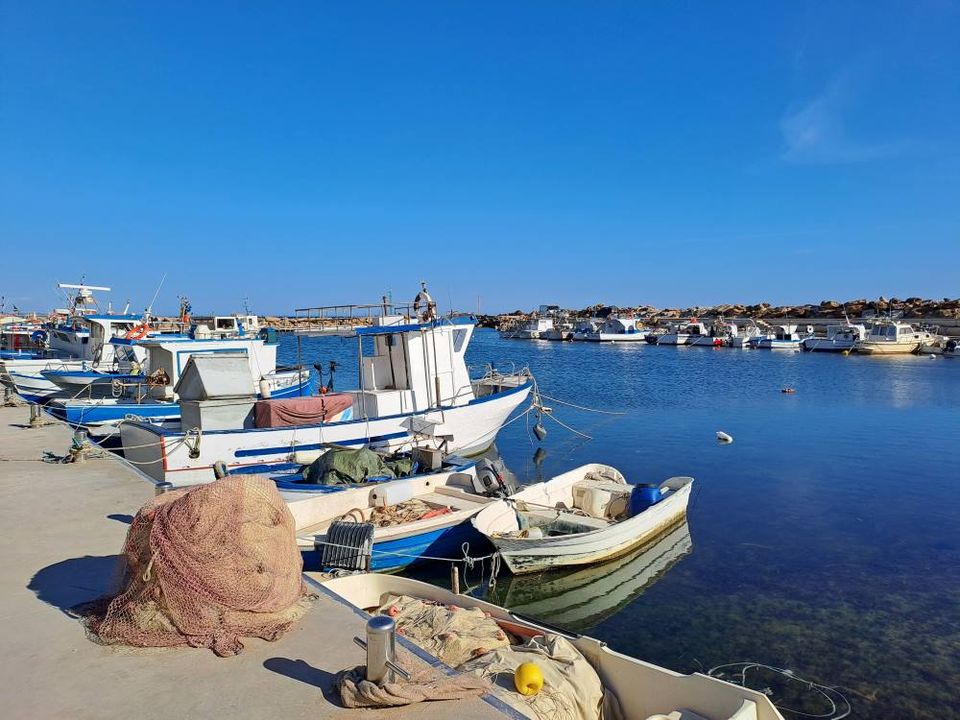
pixel 62 527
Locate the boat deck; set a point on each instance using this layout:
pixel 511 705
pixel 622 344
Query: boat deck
pixel 63 526
pixel 455 500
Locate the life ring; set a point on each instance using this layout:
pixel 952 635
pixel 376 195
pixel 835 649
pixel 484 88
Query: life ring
pixel 38 336
pixel 138 332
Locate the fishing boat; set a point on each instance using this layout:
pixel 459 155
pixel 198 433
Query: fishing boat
pixel 717 335
pixel 584 516
pixel 584 328
pixel 80 342
pixel 562 330
pixel 580 599
pixel 152 396
pixel 414 390
pixel 616 329
pixel 540 322
pixel 745 337
pixel 785 337
pixel 838 338
pixel 685 334
pixel 633 687
pixel 892 337
pixel 394 524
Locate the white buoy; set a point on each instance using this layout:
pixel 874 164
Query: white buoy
pixel 723 437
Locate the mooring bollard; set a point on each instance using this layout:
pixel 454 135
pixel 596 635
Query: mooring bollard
pixel 381 648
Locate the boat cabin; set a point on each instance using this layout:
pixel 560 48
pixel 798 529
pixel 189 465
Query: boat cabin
pixel 620 326
pixel 406 368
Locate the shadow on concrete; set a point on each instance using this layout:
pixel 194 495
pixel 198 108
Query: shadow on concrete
pixel 305 672
pixel 77 581
pixel 125 519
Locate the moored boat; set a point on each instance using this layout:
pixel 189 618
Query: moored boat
pixel 838 338
pixel 615 329
pixel 581 517
pixel 415 389
pixel 684 334
pixel 785 337
pixel 391 525
pixel 630 688
pixel 892 337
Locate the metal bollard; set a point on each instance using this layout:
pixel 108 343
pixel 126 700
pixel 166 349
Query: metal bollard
pixel 381 647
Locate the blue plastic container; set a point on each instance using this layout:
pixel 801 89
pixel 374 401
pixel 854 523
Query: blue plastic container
pixel 642 497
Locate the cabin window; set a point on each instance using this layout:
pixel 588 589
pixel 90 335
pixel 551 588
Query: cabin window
pixel 459 336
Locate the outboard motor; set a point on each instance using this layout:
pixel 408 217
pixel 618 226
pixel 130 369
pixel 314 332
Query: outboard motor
pixel 492 479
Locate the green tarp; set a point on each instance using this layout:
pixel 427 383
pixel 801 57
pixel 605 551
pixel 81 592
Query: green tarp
pixel 345 466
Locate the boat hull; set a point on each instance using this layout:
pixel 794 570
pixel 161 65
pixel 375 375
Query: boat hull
pixel 529 555
pixel 892 348
pixel 165 456
pixel 827 345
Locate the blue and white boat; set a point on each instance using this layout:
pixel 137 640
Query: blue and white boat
pixel 152 398
pixel 79 343
pixel 420 518
pixel 414 390
pixel 785 337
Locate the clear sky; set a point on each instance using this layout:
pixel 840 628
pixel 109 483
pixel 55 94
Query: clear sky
pixel 672 153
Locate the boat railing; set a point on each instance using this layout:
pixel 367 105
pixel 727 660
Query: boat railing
pixel 345 319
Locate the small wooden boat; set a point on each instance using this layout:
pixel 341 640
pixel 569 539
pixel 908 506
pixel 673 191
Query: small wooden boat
pixel 584 516
pixel 418 518
pixel 632 688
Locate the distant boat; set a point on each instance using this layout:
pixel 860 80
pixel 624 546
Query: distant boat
pixel 685 334
pixel 838 338
pixel 582 517
pixel 892 337
pixel 581 599
pixel 785 337
pixel 615 330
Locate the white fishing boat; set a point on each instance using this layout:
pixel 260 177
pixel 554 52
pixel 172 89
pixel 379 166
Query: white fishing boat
pixel 562 330
pixel 532 329
pixel 630 688
pixel 616 329
pixel 584 328
pixel 717 335
pixel 685 334
pixel 838 338
pixel 387 526
pixel 584 516
pixel 785 337
pixel 414 389
pixel 582 598
pixel 745 337
pixel 153 393
pixel 892 337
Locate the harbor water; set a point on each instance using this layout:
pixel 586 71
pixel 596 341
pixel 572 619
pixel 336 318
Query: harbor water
pixel 825 539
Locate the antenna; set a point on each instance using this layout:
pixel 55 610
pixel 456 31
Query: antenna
pixel 149 310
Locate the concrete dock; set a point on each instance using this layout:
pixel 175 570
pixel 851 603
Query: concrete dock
pixel 62 528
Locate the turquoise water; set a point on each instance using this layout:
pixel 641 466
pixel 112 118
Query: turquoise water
pixel 825 538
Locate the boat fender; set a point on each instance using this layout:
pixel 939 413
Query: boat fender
pixel 305 457
pixel 264 388
pixel 220 469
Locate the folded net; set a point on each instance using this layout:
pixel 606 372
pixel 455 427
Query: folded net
pixel 206 567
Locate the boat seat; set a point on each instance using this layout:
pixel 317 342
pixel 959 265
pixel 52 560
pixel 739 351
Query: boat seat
pixel 746 711
pixel 585 521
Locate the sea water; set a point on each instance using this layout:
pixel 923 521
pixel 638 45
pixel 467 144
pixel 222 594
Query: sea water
pixel 824 539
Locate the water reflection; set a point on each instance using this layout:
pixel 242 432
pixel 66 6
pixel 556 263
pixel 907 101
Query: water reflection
pixel 581 599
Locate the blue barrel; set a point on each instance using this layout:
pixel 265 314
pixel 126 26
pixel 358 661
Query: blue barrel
pixel 642 497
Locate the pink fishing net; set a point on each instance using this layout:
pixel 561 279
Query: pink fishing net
pixel 206 567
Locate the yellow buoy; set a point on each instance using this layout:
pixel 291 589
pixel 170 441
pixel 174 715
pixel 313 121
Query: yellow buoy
pixel 846 352
pixel 528 678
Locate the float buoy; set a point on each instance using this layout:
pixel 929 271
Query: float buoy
pixel 723 437
pixel 788 391
pixel 528 678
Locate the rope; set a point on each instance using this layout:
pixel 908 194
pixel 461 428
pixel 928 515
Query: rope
pixel 830 694
pixel 580 407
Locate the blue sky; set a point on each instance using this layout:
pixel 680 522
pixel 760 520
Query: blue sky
pixel 672 153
